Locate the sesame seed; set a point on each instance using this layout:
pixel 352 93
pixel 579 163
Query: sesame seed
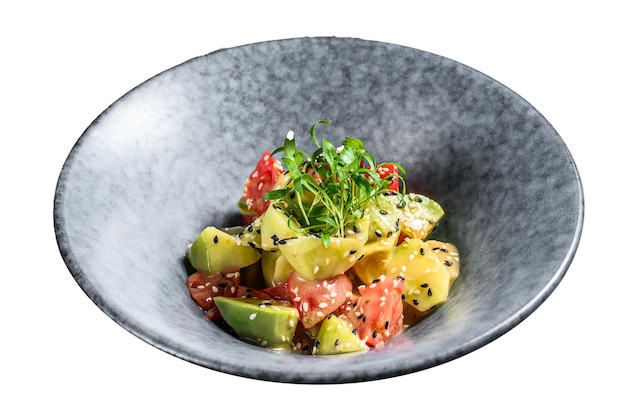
pixel 430 292
pixel 323 305
pixel 215 289
pixel 424 285
pixel 415 302
pixel 252 316
pixel 215 239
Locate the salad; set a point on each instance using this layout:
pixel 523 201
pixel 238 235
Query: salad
pixel 333 255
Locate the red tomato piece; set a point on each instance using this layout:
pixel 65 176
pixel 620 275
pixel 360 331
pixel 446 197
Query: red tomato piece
pixel 317 299
pixel 378 315
pixel 259 182
pixel 385 170
pixel 203 287
pixel 279 292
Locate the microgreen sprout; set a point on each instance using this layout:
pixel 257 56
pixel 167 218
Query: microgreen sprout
pixel 328 190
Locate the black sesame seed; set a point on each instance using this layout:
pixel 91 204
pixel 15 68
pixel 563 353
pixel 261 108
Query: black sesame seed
pixel 386 325
pixel 424 285
pixel 447 263
pixel 215 239
pixel 374 334
pixel 445 250
pixel 353 251
pixel 403 296
pixel 383 212
pixel 250 228
pixel 377 232
pixel 363 318
pixel 415 301
pixel 355 331
pixel 430 292
pixel 337 342
pixel 355 229
pixel 389 233
pixel 422 251
pixel 375 280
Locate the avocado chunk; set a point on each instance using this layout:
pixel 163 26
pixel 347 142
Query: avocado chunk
pixel 313 261
pixel 418 215
pixel 336 335
pixel 215 250
pixel 268 323
pixel 278 226
pixel 426 278
pixel 448 254
pixel 276 269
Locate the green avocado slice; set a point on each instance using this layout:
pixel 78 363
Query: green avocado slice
pixel 268 323
pixel 215 250
pixel 335 335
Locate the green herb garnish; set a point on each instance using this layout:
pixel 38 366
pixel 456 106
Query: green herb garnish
pixel 328 190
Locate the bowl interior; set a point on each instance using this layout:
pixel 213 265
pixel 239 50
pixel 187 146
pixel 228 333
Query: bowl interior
pixel 171 156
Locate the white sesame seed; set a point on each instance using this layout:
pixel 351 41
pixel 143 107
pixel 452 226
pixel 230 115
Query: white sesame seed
pixel 215 289
pixel 323 305
pixel 252 316
pixel 319 314
pixel 316 269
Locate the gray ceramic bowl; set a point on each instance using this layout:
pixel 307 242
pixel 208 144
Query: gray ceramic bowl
pixel 171 156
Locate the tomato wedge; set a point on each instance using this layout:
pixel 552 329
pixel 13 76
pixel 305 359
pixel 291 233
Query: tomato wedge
pixel 263 179
pixel 386 170
pixel 378 315
pixel 317 299
pixel 203 287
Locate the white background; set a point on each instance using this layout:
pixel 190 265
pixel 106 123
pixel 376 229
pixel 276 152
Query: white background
pixel 62 64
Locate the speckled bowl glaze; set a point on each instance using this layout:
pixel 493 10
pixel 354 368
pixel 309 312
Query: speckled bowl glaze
pixel 171 156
